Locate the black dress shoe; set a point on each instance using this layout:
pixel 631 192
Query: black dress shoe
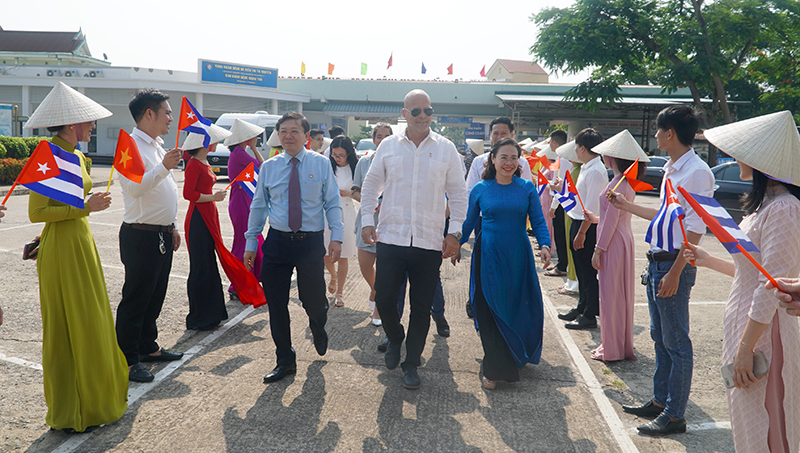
pixel 646 410
pixel 470 313
pixel 411 379
pixel 663 425
pixel 321 342
pixel 280 372
pixel 569 316
pixel 139 374
pixel 581 323
pixel 165 356
pixel 383 345
pixel 392 356
pixel 442 327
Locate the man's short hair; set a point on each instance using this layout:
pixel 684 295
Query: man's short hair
pixel 335 131
pixel 144 99
pixel 683 119
pixel 293 116
pixel 502 120
pixel 588 138
pixel 379 126
pixel 315 132
pixel 559 136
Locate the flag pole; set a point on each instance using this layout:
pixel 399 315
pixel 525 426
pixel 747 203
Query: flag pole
pixel 110 176
pixel 685 239
pixel 761 268
pixel 10 191
pixel 229 185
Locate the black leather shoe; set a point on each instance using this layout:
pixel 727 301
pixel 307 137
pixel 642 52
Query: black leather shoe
pixel 279 373
pixel 442 327
pixel 646 410
pixel 470 313
pixel 581 323
pixel 139 374
pixel 569 316
pixel 392 356
pixel 663 425
pixel 165 356
pixel 321 342
pixel 383 345
pixel 411 379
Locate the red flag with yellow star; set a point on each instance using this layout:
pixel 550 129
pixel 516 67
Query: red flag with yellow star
pixel 127 160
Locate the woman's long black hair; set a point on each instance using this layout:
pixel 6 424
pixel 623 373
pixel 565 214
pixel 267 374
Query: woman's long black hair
pixel 490 172
pixel 345 143
pixel 754 198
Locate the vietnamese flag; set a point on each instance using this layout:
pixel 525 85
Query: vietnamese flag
pixel 127 160
pixel 483 71
pixel 41 165
pixel 390 61
pixel 555 166
pixel 450 69
pixel 631 174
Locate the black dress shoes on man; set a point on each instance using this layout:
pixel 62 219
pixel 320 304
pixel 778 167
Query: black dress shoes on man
pixel 646 410
pixel 411 379
pixel 392 356
pixel 663 425
pixel 581 323
pixel 280 372
pixel 139 374
pixel 165 356
pixel 442 327
pixel 470 313
pixel 321 342
pixel 569 316
pixel 383 345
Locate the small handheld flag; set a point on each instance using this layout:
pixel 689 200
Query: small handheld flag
pixel 659 233
pixel 542 181
pixel 566 196
pixel 67 185
pixel 573 188
pixel 247 179
pixel 725 228
pixel 127 159
pixel 631 174
pixel 363 69
pixel 191 121
pixel 40 165
pixel 555 166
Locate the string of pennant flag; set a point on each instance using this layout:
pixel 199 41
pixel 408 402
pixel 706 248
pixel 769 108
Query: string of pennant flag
pixel 364 68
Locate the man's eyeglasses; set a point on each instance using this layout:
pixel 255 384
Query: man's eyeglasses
pixel 415 112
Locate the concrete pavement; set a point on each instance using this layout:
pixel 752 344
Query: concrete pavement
pixel 214 399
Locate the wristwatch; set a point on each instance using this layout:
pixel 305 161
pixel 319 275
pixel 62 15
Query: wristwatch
pixel 457 235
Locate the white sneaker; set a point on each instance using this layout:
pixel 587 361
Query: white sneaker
pixel 377 322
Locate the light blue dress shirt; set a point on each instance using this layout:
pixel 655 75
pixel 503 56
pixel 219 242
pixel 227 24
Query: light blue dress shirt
pixel 319 197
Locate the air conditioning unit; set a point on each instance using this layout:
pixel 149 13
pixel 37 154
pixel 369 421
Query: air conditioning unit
pixel 94 74
pixel 51 72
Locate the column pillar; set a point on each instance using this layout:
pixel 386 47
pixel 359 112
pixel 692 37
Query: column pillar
pixel 26 108
pixel 274 107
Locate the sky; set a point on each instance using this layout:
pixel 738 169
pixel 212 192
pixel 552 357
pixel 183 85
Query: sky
pixel 164 34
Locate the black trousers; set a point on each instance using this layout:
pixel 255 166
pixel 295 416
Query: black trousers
pixel 589 298
pixel 498 363
pixel 560 233
pixel 422 267
pixel 204 285
pixel 281 257
pixel 146 277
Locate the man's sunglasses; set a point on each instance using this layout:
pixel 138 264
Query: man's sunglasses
pixel 415 112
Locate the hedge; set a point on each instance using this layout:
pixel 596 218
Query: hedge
pixel 10 168
pixel 19 147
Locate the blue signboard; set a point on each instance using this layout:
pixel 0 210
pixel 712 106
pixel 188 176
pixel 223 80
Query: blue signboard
pixel 236 74
pixel 475 130
pixel 6 123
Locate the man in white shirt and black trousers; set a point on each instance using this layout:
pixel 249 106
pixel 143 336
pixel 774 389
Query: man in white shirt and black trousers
pixel 148 236
pixel 414 170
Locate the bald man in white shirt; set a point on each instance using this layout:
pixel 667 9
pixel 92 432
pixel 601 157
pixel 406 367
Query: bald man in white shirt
pixel 413 170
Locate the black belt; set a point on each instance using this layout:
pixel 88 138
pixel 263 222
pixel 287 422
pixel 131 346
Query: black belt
pixel 147 227
pixel 299 236
pixel 661 256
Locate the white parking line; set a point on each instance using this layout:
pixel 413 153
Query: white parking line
pixel 615 425
pixel 21 362
pixel 706 302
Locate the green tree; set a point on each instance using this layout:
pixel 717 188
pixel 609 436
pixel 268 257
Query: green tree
pixel 366 132
pixel 672 43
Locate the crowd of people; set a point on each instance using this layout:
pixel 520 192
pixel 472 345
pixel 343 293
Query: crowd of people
pixel 401 211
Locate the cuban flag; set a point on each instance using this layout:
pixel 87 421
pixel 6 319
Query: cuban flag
pixel 719 222
pixel 660 232
pixel 248 179
pixel 568 195
pixel 542 181
pixel 191 121
pixel 67 186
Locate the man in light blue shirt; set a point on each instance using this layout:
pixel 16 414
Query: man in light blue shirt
pixel 296 190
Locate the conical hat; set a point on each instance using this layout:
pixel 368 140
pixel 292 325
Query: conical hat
pixel 547 151
pixel 326 143
pixel 64 105
pixel 567 151
pixel 274 141
pixel 541 145
pixel 194 141
pixel 476 145
pixel 768 143
pixel 622 146
pixel 527 147
pixel 242 131
pixel 527 141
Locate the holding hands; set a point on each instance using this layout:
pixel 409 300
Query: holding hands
pixel 788 294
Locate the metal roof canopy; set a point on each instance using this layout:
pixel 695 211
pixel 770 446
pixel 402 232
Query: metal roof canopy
pixel 370 109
